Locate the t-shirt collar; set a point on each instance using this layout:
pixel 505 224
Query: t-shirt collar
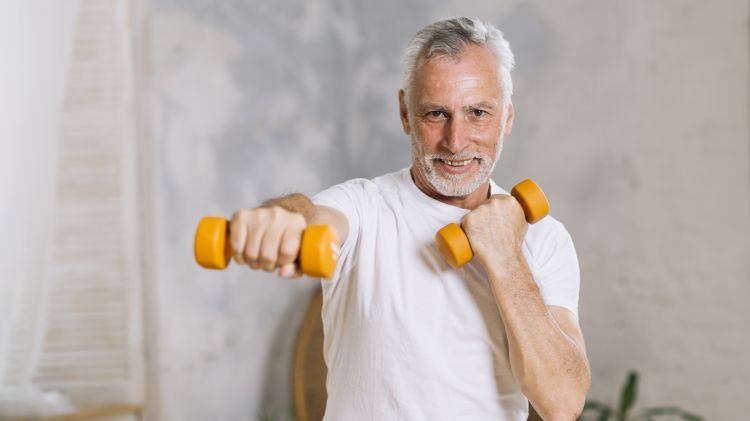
pixel 434 203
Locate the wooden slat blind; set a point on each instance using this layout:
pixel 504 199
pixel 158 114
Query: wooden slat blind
pixel 82 335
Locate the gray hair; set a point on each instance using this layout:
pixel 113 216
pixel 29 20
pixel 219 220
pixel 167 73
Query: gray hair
pixel 449 37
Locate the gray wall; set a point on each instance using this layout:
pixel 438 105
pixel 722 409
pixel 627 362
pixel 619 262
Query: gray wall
pixel 633 116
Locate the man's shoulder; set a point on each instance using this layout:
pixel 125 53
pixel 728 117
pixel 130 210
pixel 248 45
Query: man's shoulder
pixel 394 179
pixel 383 182
pixel 370 189
pixel 548 233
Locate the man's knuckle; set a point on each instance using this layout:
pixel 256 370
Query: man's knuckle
pixel 267 258
pixel 277 212
pixel 238 217
pixel 288 251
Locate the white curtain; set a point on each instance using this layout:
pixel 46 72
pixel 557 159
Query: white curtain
pixel 70 328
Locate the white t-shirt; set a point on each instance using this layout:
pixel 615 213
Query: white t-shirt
pixel 407 337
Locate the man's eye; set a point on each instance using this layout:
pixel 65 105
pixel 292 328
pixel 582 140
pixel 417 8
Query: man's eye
pixel 436 114
pixel 479 113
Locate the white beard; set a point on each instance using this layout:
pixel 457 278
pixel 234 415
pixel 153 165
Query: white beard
pixel 454 185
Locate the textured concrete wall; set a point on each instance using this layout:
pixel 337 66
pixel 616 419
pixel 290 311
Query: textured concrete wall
pixel 632 115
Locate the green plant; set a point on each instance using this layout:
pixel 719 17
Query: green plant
pixel 628 396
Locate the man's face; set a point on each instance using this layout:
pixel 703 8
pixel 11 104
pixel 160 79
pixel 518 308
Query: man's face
pixel 457 120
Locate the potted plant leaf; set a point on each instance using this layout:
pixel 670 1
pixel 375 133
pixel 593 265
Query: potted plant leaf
pixel 598 411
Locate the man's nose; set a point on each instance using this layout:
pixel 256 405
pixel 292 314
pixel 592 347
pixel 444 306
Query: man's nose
pixel 455 134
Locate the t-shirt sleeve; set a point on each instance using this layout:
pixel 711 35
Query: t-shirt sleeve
pixel 349 198
pixel 555 267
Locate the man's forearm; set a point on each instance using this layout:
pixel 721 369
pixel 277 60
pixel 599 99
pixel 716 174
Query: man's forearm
pixel 550 366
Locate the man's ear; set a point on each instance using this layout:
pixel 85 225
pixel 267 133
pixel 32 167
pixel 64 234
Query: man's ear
pixel 404 112
pixel 509 120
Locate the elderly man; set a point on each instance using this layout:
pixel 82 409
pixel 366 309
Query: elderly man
pixel 406 336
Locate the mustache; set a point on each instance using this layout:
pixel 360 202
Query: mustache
pixel 447 156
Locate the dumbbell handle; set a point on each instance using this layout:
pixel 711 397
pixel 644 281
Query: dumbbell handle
pixel 453 243
pixel 317 257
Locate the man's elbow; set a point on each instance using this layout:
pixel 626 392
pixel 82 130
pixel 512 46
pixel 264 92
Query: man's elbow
pixel 567 409
pixel 572 409
pixel 563 405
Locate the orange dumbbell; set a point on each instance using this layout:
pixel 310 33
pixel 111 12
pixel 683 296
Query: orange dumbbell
pixel 317 256
pixel 453 243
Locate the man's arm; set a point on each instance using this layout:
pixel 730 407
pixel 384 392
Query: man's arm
pixel 268 237
pixel 546 347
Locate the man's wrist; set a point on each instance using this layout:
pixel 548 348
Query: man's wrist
pixel 503 266
pixel 295 202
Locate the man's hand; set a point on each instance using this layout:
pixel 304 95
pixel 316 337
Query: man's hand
pixel 496 229
pixel 267 238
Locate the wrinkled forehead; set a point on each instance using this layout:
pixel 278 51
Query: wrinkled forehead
pixel 473 72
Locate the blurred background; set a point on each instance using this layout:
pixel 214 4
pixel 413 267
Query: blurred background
pixel 122 122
